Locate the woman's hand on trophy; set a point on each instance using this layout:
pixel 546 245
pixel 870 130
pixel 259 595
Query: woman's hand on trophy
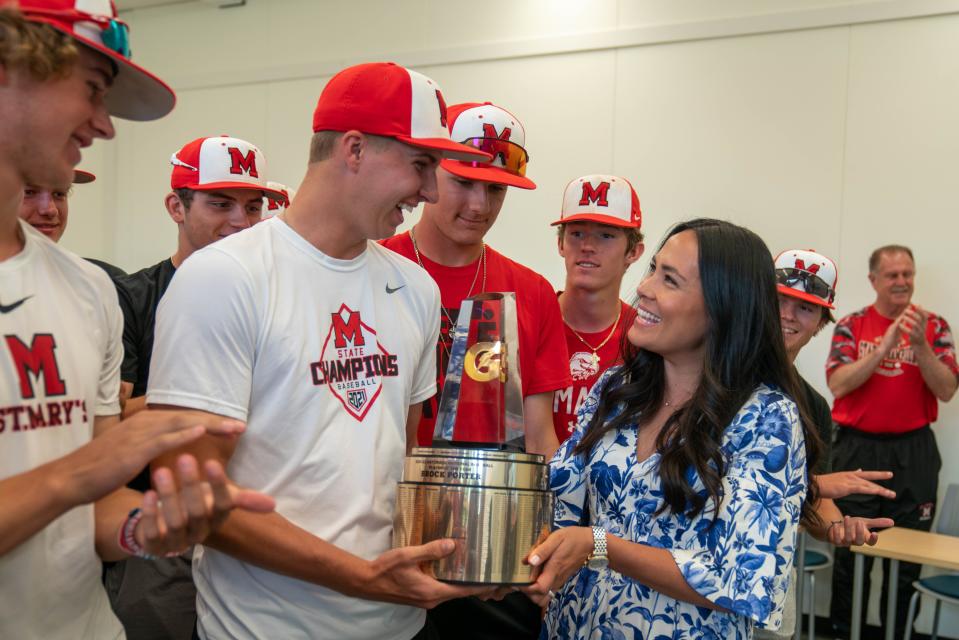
pixel 403 576
pixel 559 557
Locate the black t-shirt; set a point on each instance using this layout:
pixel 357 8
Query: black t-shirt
pixel 112 271
pixel 821 414
pixel 139 295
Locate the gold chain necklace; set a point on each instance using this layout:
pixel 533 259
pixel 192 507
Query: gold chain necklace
pixel 481 263
pixel 605 340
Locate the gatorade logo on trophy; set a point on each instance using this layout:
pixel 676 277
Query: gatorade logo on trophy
pixel 475 485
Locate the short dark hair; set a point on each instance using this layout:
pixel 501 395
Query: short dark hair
pixel 633 235
pixel 186 196
pixel 876 255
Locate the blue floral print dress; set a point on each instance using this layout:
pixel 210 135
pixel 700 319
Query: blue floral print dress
pixel 740 560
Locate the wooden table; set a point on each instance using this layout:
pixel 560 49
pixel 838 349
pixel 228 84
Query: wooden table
pixel 898 544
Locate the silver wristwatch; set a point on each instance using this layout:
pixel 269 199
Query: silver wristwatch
pixel 598 559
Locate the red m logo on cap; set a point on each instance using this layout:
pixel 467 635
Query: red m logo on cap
pixel 243 163
pixel 489 131
pixel 597 195
pixel 801 265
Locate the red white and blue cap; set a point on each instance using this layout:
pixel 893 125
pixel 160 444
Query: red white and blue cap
pixel 601 198
pixel 221 162
pixel 385 99
pixel 136 94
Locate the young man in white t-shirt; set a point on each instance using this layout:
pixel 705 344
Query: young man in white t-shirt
pixel 60 509
pixel 324 341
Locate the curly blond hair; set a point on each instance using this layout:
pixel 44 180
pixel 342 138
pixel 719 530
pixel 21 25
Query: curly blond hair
pixel 34 48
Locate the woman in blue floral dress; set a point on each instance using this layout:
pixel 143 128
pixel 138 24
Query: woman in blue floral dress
pixel 690 460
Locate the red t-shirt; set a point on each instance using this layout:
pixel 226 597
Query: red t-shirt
pixel 895 398
pixel 543 358
pixel 584 371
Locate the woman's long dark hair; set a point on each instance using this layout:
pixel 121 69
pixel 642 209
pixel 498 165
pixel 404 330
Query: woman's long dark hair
pixel 743 348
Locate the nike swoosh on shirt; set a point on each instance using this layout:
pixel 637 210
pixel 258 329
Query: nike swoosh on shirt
pixel 7 308
pixel 390 289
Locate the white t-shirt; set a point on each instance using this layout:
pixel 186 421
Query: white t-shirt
pixel 322 358
pixel 60 354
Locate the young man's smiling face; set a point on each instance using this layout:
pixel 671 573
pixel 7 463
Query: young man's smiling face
pixel 46 209
pixel 54 119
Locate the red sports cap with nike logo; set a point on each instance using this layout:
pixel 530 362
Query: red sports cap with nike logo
pixel 385 99
pixel 136 94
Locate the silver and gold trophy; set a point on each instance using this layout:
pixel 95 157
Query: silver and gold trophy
pixel 475 484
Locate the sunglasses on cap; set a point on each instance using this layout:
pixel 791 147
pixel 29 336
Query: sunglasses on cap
pixel 114 34
pixel 811 283
pixel 512 156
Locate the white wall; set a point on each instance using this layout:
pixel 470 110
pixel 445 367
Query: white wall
pixel 829 124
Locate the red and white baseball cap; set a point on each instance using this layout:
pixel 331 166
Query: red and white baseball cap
pixel 385 99
pixel 136 94
pixel 601 198
pixel 221 162
pixel 274 206
pixel 807 275
pixel 82 177
pixel 497 132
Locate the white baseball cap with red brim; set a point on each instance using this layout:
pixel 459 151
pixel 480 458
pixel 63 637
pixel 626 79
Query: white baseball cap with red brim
pixel 807 275
pixel 136 94
pixel 497 132
pixel 221 162
pixel 385 99
pixel 601 198
pixel 274 206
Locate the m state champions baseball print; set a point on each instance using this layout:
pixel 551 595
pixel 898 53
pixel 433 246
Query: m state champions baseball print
pixel 353 363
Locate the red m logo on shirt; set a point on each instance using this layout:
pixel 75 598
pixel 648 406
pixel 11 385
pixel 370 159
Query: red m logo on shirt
pixel 243 163
pixel 347 332
pixel 596 195
pixel 39 359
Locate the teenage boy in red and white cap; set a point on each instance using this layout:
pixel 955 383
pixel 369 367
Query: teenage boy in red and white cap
pixel 448 242
pixel 599 238
pixel 806 283
pixel 217 186
pixel 65 72
pixel 324 341
pixel 47 210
